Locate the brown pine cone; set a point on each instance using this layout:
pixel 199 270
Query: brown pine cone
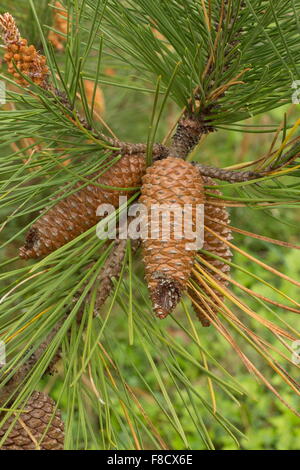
pixel 214 217
pixel 75 214
pixel 168 263
pixel 26 58
pixel 28 430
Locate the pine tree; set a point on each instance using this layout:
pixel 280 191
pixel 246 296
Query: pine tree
pixel 174 76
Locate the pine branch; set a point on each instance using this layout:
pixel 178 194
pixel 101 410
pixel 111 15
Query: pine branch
pixel 227 175
pixel 188 134
pixel 9 389
pixel 110 270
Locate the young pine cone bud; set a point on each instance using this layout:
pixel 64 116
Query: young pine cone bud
pixel 28 431
pixel 168 262
pixel 60 23
pixel 19 54
pixel 98 99
pixel 75 214
pixel 215 218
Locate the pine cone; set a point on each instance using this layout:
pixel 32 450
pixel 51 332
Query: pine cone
pixel 168 263
pixel 26 58
pixel 75 214
pixel 214 217
pixel 31 425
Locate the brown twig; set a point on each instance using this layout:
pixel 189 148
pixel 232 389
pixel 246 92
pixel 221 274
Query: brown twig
pixel 9 389
pixel 227 175
pixel 111 270
pixel 189 132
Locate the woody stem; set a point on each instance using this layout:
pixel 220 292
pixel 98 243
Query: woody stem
pixel 227 175
pixel 21 374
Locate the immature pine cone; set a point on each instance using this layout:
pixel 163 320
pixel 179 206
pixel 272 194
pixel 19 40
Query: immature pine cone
pixel 29 429
pixel 75 214
pixel 214 218
pixel 98 99
pixel 25 57
pixel 60 23
pixel 168 263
